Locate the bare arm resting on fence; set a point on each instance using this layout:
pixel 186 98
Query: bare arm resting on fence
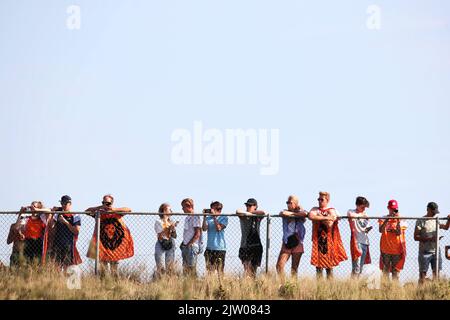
pixel 107 209
pixel 296 213
pixel 314 215
pixel 242 213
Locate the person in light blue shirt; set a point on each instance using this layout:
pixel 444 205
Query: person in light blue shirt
pixel 216 247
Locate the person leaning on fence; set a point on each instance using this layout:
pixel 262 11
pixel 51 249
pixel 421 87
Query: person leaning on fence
pixel 165 240
pixel 16 236
pixel 116 242
pixel 425 232
pixel 359 241
pixel 327 248
pixel 65 228
pixel 293 235
pixel 251 249
pixel 35 231
pixel 192 245
pixel 392 242
pixel 216 247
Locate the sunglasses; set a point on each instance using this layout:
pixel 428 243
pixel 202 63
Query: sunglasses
pixel 107 203
pixel 320 199
pixel 288 202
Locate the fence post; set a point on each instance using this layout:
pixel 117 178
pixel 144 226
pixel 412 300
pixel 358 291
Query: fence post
pixel 267 243
pixel 437 248
pixel 97 242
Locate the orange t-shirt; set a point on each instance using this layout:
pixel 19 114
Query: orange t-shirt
pixel 34 228
pixel 391 243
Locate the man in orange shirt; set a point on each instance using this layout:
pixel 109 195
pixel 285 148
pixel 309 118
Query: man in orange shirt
pixel 392 243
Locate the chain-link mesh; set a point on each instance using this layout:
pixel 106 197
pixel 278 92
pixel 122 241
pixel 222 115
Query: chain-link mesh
pixel 142 263
pixel 410 272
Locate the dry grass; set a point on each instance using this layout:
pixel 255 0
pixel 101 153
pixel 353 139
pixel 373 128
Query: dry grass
pixel 45 283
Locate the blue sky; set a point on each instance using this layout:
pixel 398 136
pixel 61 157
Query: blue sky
pixel 91 111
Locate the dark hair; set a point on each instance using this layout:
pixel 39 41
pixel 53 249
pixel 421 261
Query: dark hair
pixel 162 208
pixel 361 201
pixel 216 205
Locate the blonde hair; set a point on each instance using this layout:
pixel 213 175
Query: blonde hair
pixel 296 201
pixel 324 194
pixel 188 201
pixel 37 204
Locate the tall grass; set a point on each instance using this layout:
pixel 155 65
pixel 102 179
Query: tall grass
pixel 47 283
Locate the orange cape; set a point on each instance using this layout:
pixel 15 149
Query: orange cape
pixel 331 251
pixel 116 242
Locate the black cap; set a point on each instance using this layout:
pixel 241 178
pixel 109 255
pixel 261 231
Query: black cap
pixel 251 202
pixel 433 206
pixel 65 199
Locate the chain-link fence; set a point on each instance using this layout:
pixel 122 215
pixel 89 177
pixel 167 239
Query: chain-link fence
pixel 142 238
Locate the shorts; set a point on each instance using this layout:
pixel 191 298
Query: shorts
pixel 215 259
pixel 425 259
pixel 390 260
pixel 63 254
pixel 252 255
pixel 33 249
pixel 296 249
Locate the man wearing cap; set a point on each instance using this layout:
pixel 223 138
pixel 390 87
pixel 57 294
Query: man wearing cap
pixel 65 228
pixel 251 249
pixel 425 232
pixel 392 242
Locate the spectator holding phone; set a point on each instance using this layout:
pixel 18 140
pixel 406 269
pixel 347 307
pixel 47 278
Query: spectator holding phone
pixel 425 232
pixel 165 242
pixel 359 241
pixel 392 242
pixel 65 228
pixel 216 247
pixel 293 235
pixel 35 231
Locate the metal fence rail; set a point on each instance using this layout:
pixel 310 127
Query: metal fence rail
pixel 142 263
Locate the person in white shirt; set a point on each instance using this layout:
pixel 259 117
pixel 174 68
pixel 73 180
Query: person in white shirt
pixel 192 244
pixel 359 242
pixel 165 240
